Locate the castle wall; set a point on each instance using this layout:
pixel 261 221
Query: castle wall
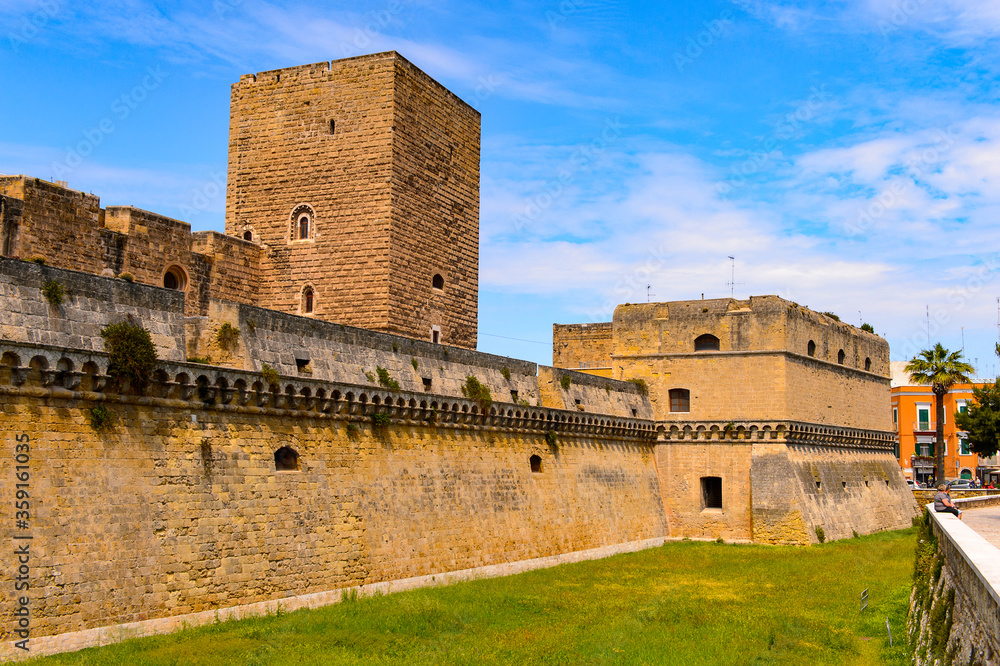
pixel 435 220
pixel 780 481
pixel 584 347
pixel 90 303
pixel 681 467
pixel 346 354
pixel 56 223
pixel 588 393
pixel 827 393
pixel 842 490
pixel 178 508
pixel 235 267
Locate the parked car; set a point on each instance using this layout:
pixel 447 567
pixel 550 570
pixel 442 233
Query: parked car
pixel 960 484
pixel 911 484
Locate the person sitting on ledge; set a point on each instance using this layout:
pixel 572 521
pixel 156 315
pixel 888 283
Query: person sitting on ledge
pixel 943 503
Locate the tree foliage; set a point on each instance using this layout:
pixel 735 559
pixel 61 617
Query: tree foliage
pixel 132 355
pixel 940 369
pixel 982 420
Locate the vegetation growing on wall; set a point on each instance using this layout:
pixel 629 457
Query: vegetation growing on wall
pixel 473 389
pixel 270 374
pixel 867 327
pixel 54 292
pixel 132 355
pixel 385 379
pixel 227 337
pixel 100 418
pixel 640 384
pixel 505 371
pixel 565 381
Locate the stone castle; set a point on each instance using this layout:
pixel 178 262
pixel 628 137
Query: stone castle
pixel 326 441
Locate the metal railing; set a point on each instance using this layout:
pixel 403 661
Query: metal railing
pixel 924 426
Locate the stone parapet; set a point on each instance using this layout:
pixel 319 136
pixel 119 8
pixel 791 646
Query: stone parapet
pixel 965 598
pixel 72 374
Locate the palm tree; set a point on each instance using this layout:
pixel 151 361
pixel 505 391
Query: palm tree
pixel 940 369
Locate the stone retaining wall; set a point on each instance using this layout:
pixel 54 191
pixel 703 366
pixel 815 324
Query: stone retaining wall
pixel 955 611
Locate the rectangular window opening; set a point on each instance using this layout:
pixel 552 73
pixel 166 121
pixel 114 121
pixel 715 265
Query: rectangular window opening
pixel 711 492
pixel 427 383
pixel 302 365
pixel 513 395
pixel 333 125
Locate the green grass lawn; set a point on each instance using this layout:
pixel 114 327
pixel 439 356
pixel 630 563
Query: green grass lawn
pixel 683 603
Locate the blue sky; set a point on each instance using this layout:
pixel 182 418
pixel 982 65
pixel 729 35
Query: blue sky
pixel 847 154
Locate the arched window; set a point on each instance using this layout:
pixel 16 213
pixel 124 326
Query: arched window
pixel 248 235
pixel 680 400
pixel 707 342
pixel 307 300
pixel 303 223
pixel 438 281
pixel 536 463
pixel 175 278
pixel 811 349
pixel 841 356
pixel 286 459
pixel 868 364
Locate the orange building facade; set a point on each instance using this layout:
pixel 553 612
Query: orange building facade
pixel 914 417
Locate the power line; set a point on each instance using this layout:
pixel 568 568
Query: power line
pixel 534 342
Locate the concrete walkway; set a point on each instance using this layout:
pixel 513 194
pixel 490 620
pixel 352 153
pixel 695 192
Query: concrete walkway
pixel 986 522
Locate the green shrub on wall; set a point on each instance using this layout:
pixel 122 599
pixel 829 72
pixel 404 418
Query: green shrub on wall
pixel 385 379
pixel 473 389
pixel 132 355
pixel 54 292
pixel 269 374
pixel 100 418
pixel 565 381
pixel 227 337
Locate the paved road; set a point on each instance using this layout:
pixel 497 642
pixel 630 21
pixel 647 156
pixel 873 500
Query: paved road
pixel 986 522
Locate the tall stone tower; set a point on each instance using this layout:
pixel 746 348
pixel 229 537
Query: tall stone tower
pixel 360 179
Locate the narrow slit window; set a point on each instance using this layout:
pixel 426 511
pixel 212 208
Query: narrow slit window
pixel 841 356
pixel 307 300
pixel 811 349
pixel 333 125
pixel 536 464
pixel 304 227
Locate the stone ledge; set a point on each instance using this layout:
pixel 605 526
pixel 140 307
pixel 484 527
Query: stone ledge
pixel 982 557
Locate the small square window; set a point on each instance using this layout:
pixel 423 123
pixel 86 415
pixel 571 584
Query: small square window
pixel 427 383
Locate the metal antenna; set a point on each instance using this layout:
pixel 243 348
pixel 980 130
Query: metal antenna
pixel 732 280
pixel 648 287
